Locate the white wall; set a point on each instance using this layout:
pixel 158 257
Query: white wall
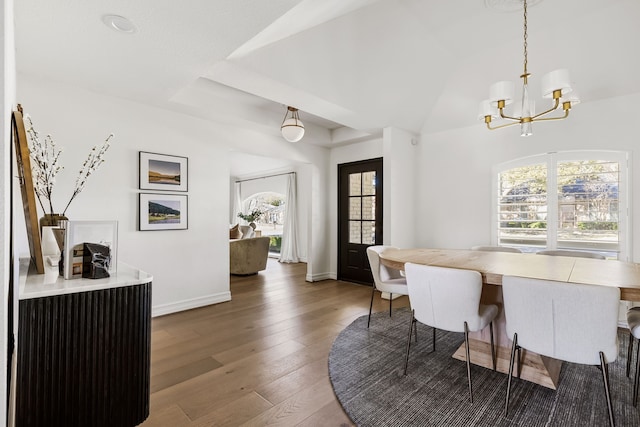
pixel 315 186
pixel 401 214
pixel 454 183
pixel 7 94
pixel 180 260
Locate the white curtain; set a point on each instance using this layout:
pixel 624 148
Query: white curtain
pixel 289 247
pixel 237 204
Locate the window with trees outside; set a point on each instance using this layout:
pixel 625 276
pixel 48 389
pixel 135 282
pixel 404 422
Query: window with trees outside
pixel 271 220
pixel 565 200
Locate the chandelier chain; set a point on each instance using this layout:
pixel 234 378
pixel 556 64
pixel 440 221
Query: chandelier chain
pixel 525 38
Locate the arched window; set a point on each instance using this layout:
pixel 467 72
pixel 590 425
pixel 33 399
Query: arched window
pixel 565 200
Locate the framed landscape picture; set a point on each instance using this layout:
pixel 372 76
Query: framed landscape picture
pixel 163 212
pixel 163 172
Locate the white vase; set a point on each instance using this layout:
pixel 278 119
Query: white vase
pixel 49 244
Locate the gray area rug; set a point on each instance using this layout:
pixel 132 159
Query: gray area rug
pixel 365 368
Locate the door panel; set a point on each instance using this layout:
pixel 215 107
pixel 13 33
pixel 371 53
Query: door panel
pixel 359 217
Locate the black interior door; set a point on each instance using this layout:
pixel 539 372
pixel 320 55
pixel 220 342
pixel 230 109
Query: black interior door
pixel 359 217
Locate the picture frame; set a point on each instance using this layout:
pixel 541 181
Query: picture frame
pixel 163 172
pixel 79 232
pixel 161 211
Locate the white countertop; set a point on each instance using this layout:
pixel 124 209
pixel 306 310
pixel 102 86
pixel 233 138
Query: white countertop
pixel 33 285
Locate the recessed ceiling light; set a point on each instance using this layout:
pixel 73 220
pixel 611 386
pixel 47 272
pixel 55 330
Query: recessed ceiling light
pixel 119 23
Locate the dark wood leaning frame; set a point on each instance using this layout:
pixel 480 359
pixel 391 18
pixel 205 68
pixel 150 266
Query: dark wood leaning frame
pixel 23 161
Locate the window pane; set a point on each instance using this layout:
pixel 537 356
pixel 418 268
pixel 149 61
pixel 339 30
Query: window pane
pixel 588 204
pixel 522 206
pixel 355 184
pixel 355 208
pixel 369 183
pixel 369 207
pixel 587 198
pixel 368 232
pixel 355 232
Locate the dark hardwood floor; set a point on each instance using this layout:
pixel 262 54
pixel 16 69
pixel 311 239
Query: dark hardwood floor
pixel 259 359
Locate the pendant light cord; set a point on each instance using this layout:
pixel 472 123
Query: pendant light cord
pixel 525 41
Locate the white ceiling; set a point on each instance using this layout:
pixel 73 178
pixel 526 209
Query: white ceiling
pixel 420 65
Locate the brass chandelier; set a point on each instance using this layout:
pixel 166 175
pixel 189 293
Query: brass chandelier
pixel 555 85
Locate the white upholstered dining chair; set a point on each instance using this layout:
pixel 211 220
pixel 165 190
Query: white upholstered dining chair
pixel 384 279
pixel 571 322
pixel 496 249
pixel 567 252
pixel 448 299
pixel 633 321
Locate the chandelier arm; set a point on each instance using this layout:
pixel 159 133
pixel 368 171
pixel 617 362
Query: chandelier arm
pixel 517 119
pixel 566 114
pixel 501 126
pixel 555 107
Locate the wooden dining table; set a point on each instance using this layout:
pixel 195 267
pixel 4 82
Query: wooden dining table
pixel 493 266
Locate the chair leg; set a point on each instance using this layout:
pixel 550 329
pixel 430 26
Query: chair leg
pixel 637 377
pixel 433 339
pixel 373 291
pixel 493 348
pixel 411 325
pixel 607 392
pixel 629 353
pixel 390 302
pixel 519 349
pixel 511 360
pixel 466 344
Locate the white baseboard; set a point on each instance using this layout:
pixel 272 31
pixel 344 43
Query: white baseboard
pixel 320 276
pixel 174 307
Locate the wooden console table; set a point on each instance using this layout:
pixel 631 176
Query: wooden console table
pixel 84 349
pixel 493 265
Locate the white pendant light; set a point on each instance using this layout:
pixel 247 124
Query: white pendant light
pixel 292 128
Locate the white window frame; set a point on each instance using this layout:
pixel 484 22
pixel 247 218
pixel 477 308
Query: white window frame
pixel 551 160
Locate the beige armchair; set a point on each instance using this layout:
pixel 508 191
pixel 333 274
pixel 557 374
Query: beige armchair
pixel 248 256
